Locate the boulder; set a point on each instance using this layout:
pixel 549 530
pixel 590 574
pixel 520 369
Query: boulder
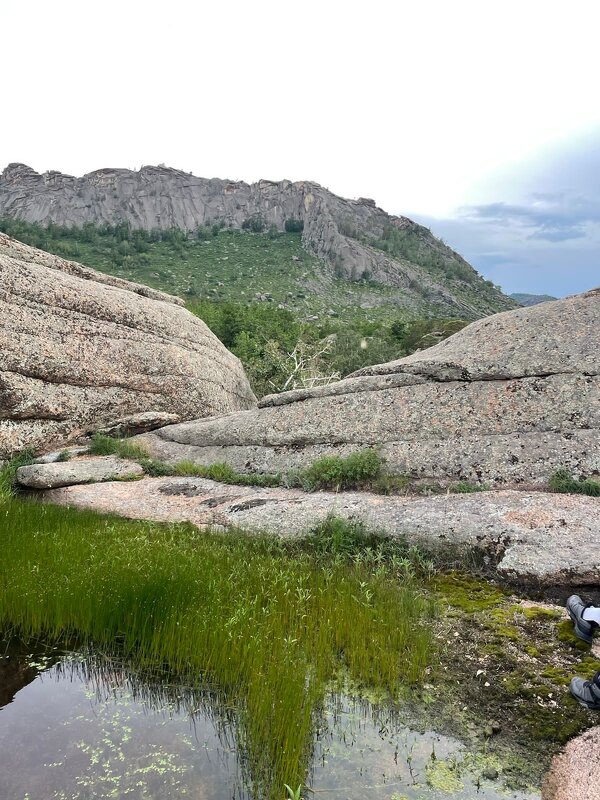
pixel 506 401
pixel 70 473
pixel 79 349
pixel 575 773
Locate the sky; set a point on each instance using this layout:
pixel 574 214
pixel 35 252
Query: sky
pixel 479 119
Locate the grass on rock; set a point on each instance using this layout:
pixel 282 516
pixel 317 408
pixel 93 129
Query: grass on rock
pixel 564 482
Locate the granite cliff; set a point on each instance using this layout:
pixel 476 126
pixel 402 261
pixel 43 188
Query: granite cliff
pixel 355 238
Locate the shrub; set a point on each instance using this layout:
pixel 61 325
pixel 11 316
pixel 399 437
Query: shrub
pixel 294 225
pixel 255 224
pixel 564 482
pixel 333 472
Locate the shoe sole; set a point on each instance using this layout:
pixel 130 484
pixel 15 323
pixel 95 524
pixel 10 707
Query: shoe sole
pixel 578 632
pixel 589 706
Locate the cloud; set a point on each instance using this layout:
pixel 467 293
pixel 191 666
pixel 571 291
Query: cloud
pixel 554 217
pixel 536 227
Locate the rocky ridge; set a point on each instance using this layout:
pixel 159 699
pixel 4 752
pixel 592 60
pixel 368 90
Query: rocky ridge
pixel 79 350
pixel 507 401
pixel 341 232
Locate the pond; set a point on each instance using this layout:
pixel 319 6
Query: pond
pixel 78 724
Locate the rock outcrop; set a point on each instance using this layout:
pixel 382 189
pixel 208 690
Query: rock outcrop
pixel 348 234
pixel 79 350
pixel 506 401
pixel 545 540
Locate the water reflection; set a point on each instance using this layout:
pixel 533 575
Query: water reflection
pixel 83 724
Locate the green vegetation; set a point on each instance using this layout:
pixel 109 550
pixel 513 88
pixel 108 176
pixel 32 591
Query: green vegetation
pixel 514 663
pixel 466 487
pixel 358 470
pixel 8 473
pixel 364 471
pixel 102 445
pixel 271 625
pixel 563 481
pixel 280 310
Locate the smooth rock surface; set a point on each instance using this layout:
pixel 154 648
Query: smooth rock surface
pixel 575 773
pixel 70 473
pixel 506 401
pixel 544 539
pixel 79 349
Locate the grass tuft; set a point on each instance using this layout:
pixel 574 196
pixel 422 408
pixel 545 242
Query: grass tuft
pixel 103 445
pixel 9 471
pixel 358 470
pixel 564 482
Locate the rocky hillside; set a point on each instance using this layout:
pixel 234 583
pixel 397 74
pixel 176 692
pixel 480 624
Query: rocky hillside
pixel 525 299
pixel 354 239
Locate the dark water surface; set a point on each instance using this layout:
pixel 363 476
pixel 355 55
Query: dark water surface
pixel 81 726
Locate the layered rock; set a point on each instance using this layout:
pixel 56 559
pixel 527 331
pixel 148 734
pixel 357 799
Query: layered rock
pixel 79 350
pixel 429 275
pixel 508 400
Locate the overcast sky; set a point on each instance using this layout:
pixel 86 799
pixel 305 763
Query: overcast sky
pixel 481 119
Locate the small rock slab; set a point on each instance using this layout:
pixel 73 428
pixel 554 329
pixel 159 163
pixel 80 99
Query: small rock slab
pixel 71 473
pixel 139 423
pixel 59 455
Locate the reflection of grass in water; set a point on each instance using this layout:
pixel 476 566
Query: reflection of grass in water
pixel 272 624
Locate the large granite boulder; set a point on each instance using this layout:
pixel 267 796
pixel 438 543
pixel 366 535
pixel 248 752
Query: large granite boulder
pixel 508 400
pixel 79 350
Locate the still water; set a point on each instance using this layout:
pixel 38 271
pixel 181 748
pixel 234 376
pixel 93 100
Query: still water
pixel 82 726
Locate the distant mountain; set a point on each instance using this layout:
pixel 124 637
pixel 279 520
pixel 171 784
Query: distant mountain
pixel 354 239
pixel 525 299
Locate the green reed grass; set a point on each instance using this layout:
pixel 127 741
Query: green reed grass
pixel 272 624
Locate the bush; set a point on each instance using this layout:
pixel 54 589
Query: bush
pixel 333 472
pixel 254 224
pixel 294 225
pixel 562 481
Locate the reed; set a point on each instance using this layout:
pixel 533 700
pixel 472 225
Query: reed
pixel 273 625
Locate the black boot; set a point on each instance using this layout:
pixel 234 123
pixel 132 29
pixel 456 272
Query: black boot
pixel 587 693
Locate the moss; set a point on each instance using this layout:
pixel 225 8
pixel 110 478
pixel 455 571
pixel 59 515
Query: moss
pixel 539 613
pixel 467 593
pixel 444 775
pixel 566 634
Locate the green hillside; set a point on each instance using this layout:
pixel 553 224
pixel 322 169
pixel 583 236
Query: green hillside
pixel 280 310
pixel 224 264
